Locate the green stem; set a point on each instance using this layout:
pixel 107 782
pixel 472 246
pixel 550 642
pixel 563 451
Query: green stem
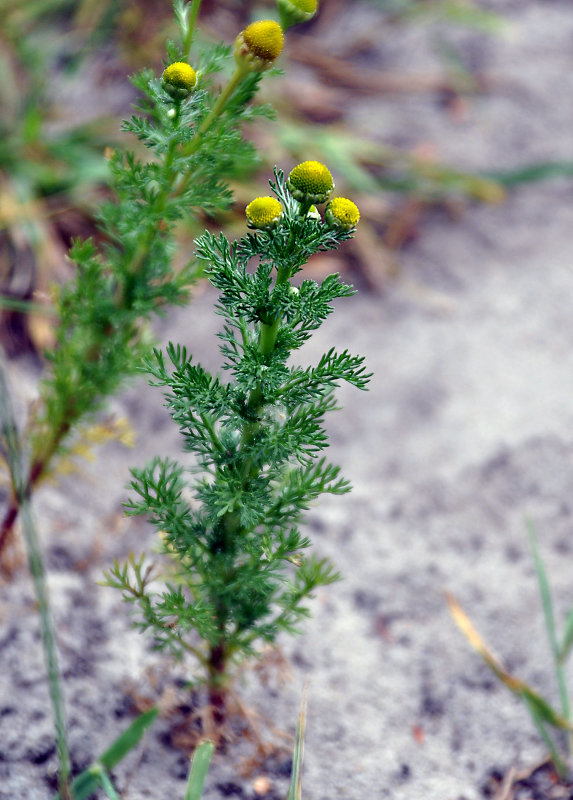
pixel 230 523
pixel 25 306
pixel 216 111
pixel 267 340
pixel 195 143
pixel 193 14
pixel 304 208
pixel 208 423
pixel 194 652
pixel 160 201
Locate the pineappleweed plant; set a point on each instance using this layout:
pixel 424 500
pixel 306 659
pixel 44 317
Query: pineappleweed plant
pixel 192 132
pixel 237 570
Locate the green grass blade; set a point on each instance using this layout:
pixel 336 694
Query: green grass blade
pixel 516 685
pixel 295 789
pixel 545 712
pixel 547 603
pixel 533 172
pixel 567 639
pixel 85 785
pixel 544 591
pixel 198 771
pixel 560 765
pixel 90 780
pixel 129 739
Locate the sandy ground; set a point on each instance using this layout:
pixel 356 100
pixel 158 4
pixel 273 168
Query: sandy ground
pixel 466 432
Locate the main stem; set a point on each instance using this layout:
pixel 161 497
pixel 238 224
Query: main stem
pixel 217 668
pixel 230 527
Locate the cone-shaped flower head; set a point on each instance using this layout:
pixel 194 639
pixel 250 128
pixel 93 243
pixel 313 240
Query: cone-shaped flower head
pixel 259 45
pixel 310 182
pixel 292 12
pixel 179 80
pixel 263 212
pixel 342 213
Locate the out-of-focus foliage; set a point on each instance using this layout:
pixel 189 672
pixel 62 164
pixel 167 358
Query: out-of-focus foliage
pixel 50 161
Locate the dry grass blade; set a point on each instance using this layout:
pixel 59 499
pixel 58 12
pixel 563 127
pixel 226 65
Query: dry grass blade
pixel 534 702
pixel 505 791
pixel 464 624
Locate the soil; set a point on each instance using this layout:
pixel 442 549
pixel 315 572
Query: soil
pixel 465 434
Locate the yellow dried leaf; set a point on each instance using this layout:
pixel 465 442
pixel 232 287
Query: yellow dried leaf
pixel 473 637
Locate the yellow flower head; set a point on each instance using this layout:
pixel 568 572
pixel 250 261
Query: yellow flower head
pixel 310 182
pixel 263 212
pixel 179 79
pixel 294 11
pixel 342 213
pixel 259 45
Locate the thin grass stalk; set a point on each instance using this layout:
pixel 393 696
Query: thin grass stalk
pixel 295 788
pixel 12 448
pixel 558 762
pixel 549 615
pixel 108 787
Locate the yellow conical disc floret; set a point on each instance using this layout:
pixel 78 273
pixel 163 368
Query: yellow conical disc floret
pixel 263 212
pixel 265 39
pixel 259 45
pixel 179 79
pixel 294 11
pixel 310 182
pixel 342 213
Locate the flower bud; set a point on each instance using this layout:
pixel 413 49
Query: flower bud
pixel 313 213
pixel 342 213
pixel 292 12
pixel 179 80
pixel 259 45
pixel 263 212
pixel 310 182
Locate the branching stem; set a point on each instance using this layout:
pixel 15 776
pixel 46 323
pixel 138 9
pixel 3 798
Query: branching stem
pixel 145 243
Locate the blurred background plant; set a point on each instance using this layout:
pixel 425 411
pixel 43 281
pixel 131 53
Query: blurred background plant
pixel 51 165
pixel 65 65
